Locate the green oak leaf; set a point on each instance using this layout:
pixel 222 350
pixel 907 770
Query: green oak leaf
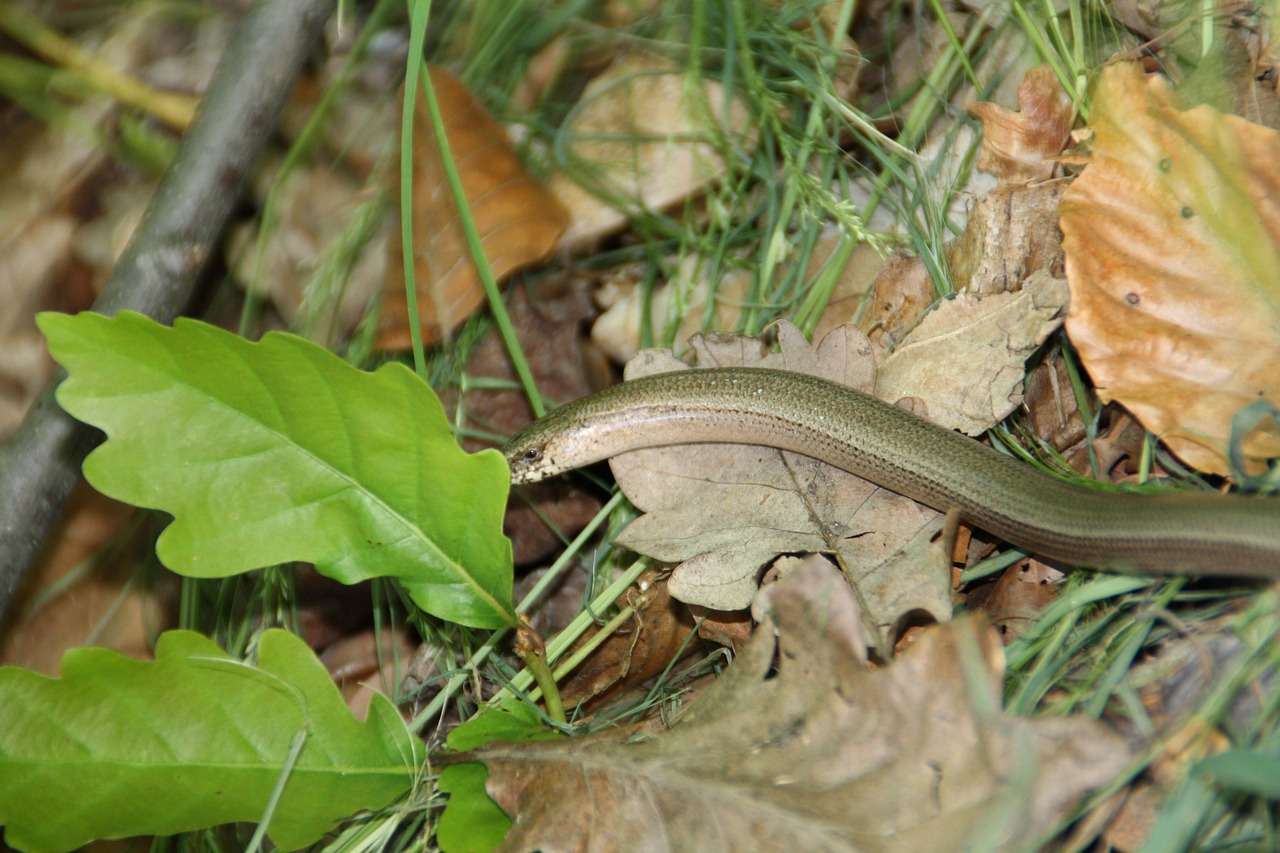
pixel 472 822
pixel 119 747
pixel 278 450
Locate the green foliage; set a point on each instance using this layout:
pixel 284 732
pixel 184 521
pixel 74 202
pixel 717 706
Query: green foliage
pixel 473 821
pixel 119 747
pixel 278 450
pixel 1250 771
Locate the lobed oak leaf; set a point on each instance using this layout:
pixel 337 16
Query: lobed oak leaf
pixel 725 511
pixel 985 342
pixel 824 755
pixel 1172 238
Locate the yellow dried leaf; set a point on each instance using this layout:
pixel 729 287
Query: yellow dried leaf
pixel 1172 238
pixel 517 218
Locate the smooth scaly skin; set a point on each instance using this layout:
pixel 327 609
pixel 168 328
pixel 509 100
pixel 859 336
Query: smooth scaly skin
pixel 1196 534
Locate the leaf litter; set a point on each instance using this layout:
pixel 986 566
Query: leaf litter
pixel 1016 159
pixel 824 754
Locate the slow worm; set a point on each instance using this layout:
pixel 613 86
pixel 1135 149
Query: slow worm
pixel 1196 534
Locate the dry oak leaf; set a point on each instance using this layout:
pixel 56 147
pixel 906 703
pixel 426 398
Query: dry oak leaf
pixel 984 342
pixel 517 218
pixel 825 755
pixel 640 139
pixel 676 310
pixel 724 511
pixel 1172 237
pixel 1017 146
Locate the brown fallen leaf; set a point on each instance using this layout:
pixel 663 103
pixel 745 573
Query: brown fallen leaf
pixel 825 755
pixel 1017 147
pixel 87 587
pixel 314 206
pixel 1053 411
pixel 1007 271
pixel 725 511
pixel 1172 237
pixel 547 315
pixel 1013 601
pixel 676 310
pixel 984 341
pixel 518 219
pixel 641 139
pixel 366 663
pixel 637 651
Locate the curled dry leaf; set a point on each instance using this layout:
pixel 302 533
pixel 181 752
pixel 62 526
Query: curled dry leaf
pixel 724 511
pixel 826 755
pixel 1017 147
pixel 1172 237
pixel 518 219
pixel 641 138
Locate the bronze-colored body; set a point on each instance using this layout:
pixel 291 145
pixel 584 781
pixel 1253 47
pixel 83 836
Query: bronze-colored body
pixel 1198 534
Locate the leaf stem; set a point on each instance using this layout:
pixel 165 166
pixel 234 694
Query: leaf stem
pixel 533 651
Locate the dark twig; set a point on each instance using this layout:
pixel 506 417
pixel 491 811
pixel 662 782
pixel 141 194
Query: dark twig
pixel 157 274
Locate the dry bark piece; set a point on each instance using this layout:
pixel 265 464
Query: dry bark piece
pixel 825 755
pixel 725 511
pixel 1011 233
pixel 1172 237
pixel 1018 147
pixel 518 220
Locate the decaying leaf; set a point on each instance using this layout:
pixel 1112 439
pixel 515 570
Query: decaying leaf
pixel 1006 269
pixel 518 219
pixel 1017 146
pixel 725 511
pixel 1172 237
pixel 638 650
pixel 85 588
pixel 984 341
pixel 826 755
pixel 675 311
pixel 641 138
pixel 314 205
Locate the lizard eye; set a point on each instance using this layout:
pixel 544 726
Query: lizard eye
pixel 533 454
